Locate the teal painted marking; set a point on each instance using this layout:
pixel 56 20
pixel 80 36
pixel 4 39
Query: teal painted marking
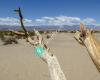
pixel 39 51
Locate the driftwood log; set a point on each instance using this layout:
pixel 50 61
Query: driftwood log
pixel 87 39
pixel 55 70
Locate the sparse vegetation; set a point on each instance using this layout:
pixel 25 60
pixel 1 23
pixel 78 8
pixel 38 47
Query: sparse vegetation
pixel 8 38
pixel 48 36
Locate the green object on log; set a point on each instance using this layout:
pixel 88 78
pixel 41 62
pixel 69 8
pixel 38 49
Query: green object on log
pixel 39 51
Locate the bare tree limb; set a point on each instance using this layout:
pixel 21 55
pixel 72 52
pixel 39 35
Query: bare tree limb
pixel 17 33
pixel 53 64
pixel 21 21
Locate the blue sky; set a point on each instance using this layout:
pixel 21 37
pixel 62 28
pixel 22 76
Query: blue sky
pixel 48 11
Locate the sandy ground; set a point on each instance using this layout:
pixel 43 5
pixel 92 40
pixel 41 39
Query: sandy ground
pixel 18 62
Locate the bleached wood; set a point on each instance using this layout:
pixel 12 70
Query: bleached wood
pixel 56 72
pixel 86 38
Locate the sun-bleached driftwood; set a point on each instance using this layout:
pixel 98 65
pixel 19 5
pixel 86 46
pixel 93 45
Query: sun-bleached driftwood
pixel 51 60
pixel 17 33
pixel 86 38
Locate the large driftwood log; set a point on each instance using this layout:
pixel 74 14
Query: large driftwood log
pixel 87 39
pixel 51 60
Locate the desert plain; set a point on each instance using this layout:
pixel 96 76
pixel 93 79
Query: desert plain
pixel 18 61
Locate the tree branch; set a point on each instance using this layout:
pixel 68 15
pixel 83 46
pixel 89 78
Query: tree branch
pixel 17 33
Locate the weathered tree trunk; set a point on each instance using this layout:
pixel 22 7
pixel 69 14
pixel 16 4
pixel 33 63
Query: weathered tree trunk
pixel 54 67
pixel 53 64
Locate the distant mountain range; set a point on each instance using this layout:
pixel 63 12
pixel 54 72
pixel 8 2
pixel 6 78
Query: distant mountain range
pixel 51 27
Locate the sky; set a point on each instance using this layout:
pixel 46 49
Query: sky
pixel 50 12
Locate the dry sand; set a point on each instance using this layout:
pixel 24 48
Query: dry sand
pixel 18 62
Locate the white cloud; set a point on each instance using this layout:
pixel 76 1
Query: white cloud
pixel 89 21
pixel 59 20
pixel 14 21
pixel 9 21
